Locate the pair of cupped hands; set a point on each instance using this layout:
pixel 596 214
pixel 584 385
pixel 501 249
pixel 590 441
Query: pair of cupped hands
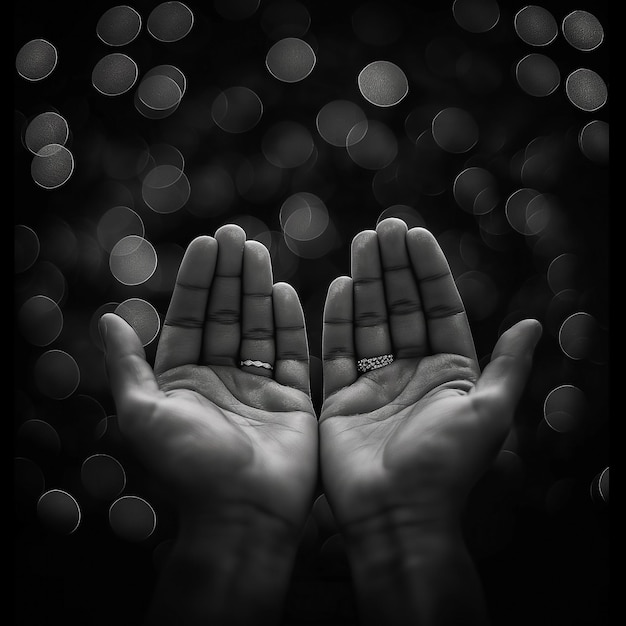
pixel 397 446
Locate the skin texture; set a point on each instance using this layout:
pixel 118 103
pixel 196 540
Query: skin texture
pixel 402 446
pixel 234 447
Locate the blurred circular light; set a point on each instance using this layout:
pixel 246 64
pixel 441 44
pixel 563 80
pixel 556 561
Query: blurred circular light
pixel 285 18
pixel 535 25
pixel 40 320
pixel 582 30
pixel 159 93
pixel 45 129
pixel 586 90
pixel 565 272
pixel 133 260
pixel 166 189
pixel 578 336
pixel 475 190
pixel 59 511
pixel 377 148
pixel 476 16
pixel 38 440
pixel 287 144
pixel 52 166
pixel 455 130
pixel 303 216
pixel 383 83
pixel 528 211
pixel 290 60
pixel 377 24
pixel 118 222
pixel 562 304
pixel 132 518
pixel 537 75
pixel 170 21
pixel 26 248
pixel 36 60
pixel 237 110
pixel 103 476
pixel 118 26
pixel 56 374
pixel 143 318
pixel 603 484
pixel 593 141
pixel 565 408
pixel 114 74
pixel 44 278
pixel 236 9
pixel 336 119
pixel 171 72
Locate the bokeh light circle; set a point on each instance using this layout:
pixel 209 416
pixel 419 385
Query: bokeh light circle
pixel 103 476
pixel 133 260
pixel 38 440
pixel 287 144
pixel 59 511
pixel 290 60
pixel 336 119
pixel 143 318
pixel 535 25
pixel 537 75
pixel 586 89
pixel 36 60
pixel 159 92
pixel 52 166
pixel 476 16
pixel 565 408
pixel 603 484
pixel 372 144
pixel 578 336
pixel 116 223
pixel 118 26
pixel 582 30
pixel 45 129
pixel 237 109
pixel 132 518
pixel 383 83
pixel 40 320
pixel 56 374
pixel 173 73
pixel 114 74
pixel 170 21
pixel 517 209
pixel 303 216
pixel 26 248
pixel 593 141
pixel 166 189
pixel 475 190
pixel 455 130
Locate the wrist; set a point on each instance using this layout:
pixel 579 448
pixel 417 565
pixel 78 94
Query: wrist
pixel 229 568
pixel 412 569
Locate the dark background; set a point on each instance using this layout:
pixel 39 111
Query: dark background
pixel 537 526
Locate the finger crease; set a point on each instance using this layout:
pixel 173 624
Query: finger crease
pixel 443 311
pixel 224 316
pixel 426 279
pixel 181 322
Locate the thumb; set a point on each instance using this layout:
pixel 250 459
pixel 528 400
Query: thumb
pixel 130 375
pixel 504 378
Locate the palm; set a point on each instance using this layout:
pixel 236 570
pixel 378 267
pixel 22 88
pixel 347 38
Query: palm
pixel 411 435
pixel 214 432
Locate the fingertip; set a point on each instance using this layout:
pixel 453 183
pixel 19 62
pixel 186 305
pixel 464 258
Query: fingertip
pixel 231 231
pixel 391 224
pixel 362 238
